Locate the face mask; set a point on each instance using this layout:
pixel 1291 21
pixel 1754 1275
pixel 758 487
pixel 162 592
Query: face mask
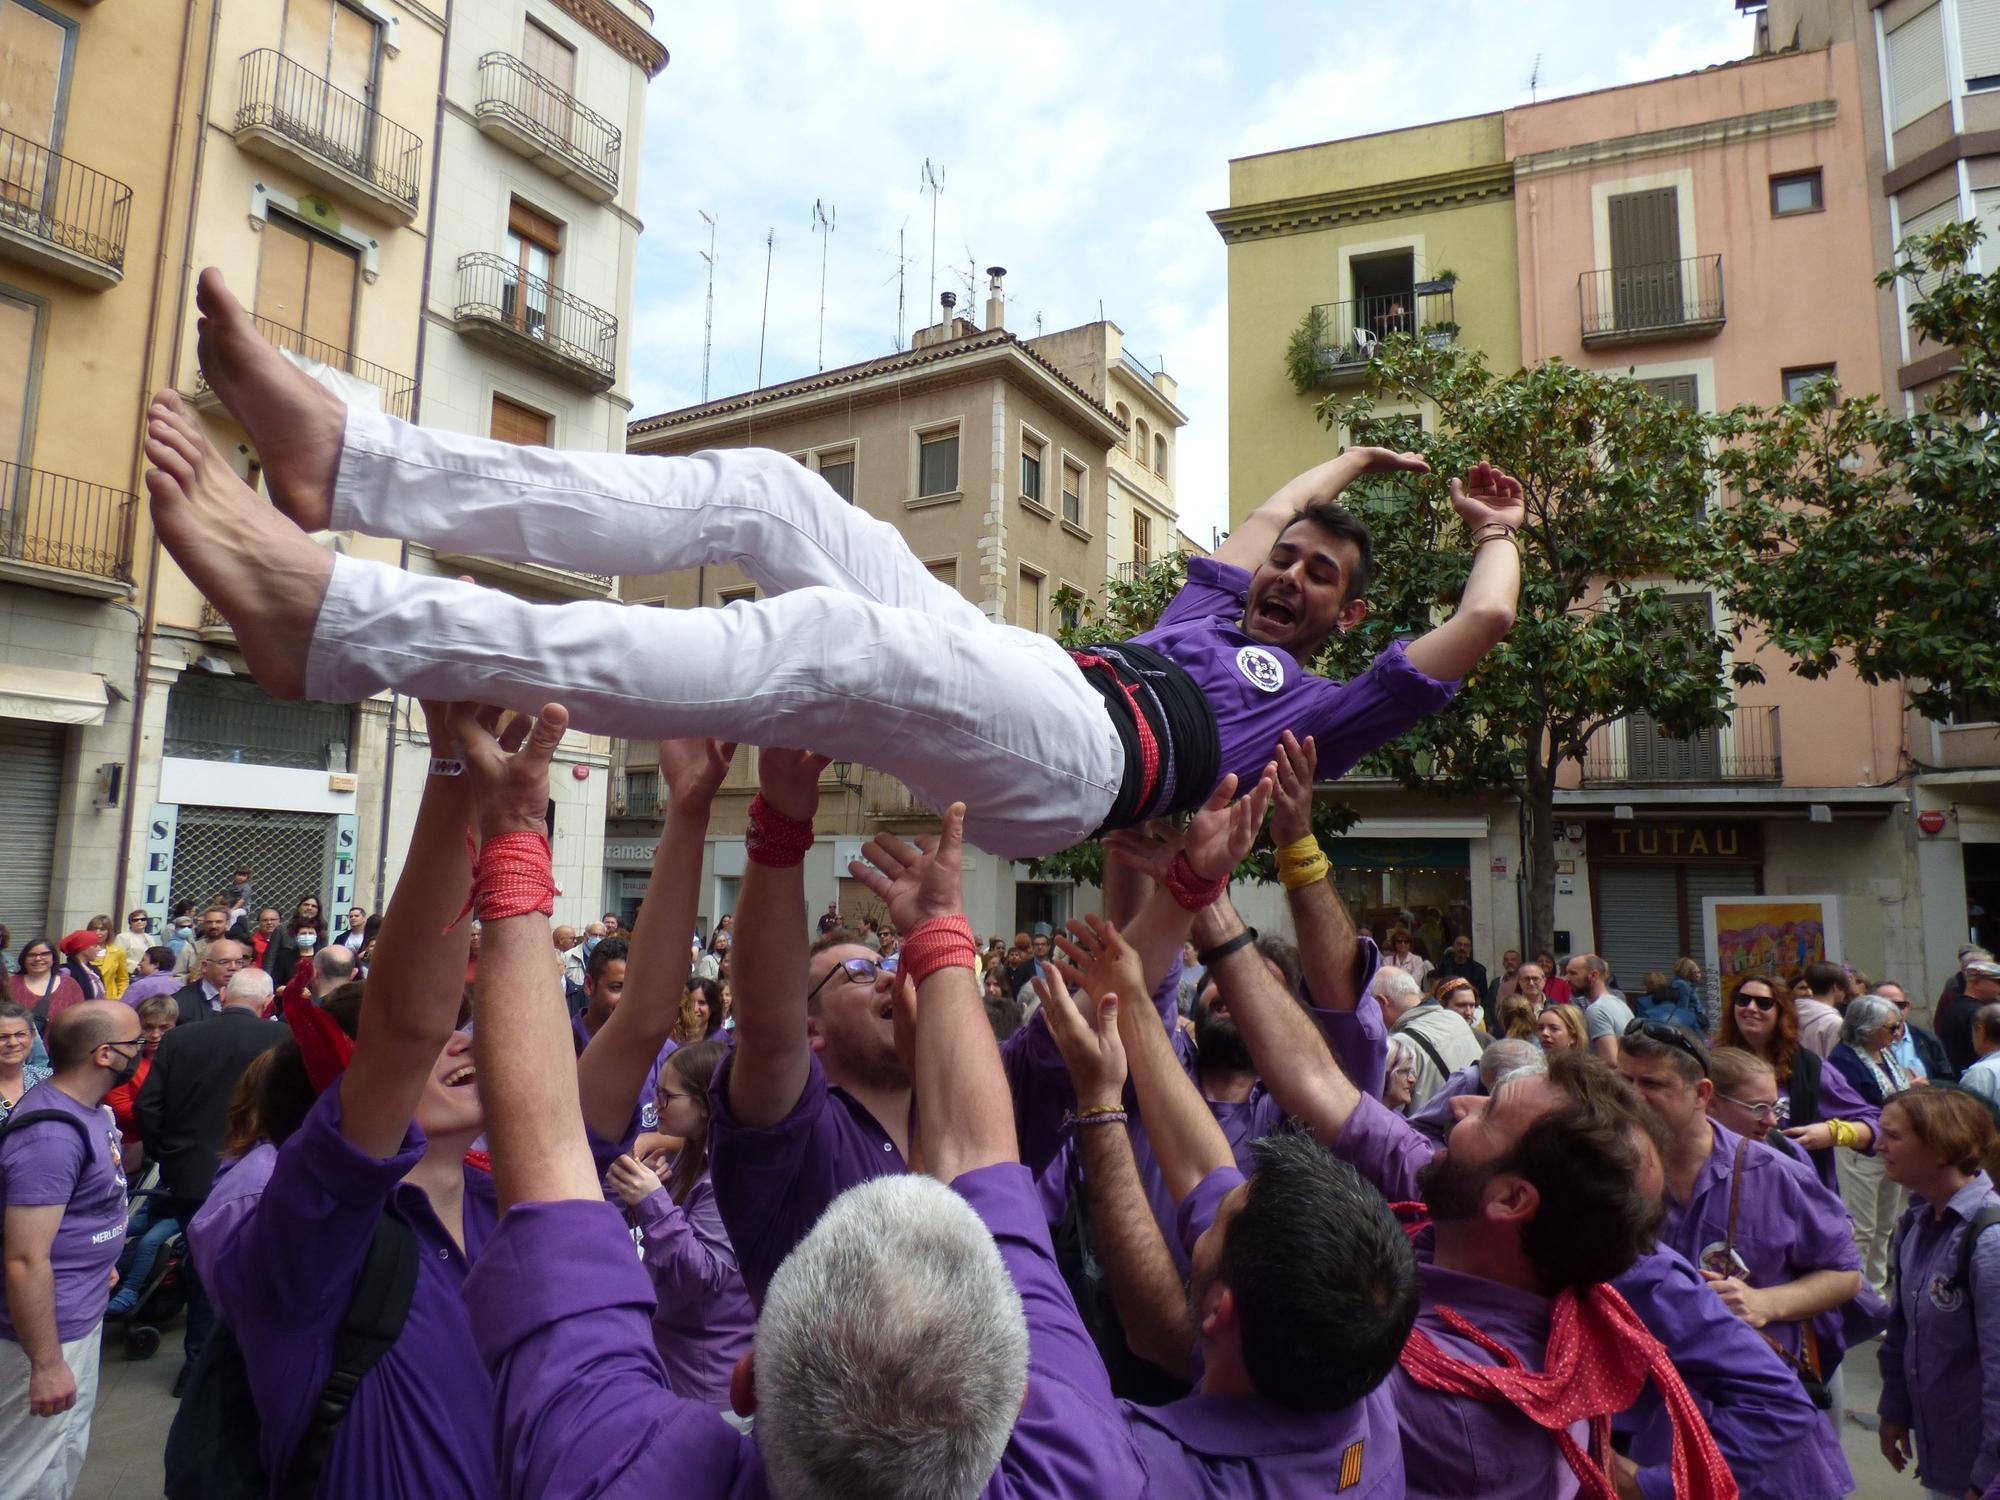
pixel 308 940
pixel 126 1066
pixel 590 944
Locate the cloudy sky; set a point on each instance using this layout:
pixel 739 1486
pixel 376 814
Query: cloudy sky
pixel 1081 148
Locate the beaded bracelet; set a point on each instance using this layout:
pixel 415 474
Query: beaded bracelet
pixel 1103 1114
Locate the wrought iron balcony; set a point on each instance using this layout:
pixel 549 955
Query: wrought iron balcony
pixel 399 392
pixel 338 142
pixel 1356 328
pixel 502 305
pixel 1666 299
pixel 64 532
pixel 529 114
pixel 61 216
pixel 1745 750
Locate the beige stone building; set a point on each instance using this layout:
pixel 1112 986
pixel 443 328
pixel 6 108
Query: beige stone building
pixel 1013 468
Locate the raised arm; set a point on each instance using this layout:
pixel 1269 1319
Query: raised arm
pixel 1490 503
pixel 1329 946
pixel 1247 545
pixel 614 1066
pixel 521 1037
pixel 770 1060
pixel 963 1103
pixel 416 980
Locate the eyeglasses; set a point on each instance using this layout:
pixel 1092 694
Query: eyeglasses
pixel 857 970
pixel 137 1041
pixel 1762 1110
pixel 1762 1002
pixel 1670 1036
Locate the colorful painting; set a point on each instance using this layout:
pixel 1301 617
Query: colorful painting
pixel 1778 933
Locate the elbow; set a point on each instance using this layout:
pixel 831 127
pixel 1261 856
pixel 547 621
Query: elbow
pixel 1495 620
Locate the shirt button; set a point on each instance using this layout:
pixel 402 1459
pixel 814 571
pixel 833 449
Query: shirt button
pixel 888 1145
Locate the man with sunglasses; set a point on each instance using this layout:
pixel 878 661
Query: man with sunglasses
pixel 1774 1244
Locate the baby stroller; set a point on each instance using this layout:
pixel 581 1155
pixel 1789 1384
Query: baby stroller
pixel 152 1270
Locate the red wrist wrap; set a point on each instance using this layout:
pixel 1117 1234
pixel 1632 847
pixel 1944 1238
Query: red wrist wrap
pixel 941 943
pixel 1189 889
pixel 773 839
pixel 513 877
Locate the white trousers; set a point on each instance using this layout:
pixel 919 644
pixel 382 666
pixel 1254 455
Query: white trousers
pixel 41 1457
pixel 857 652
pixel 1874 1203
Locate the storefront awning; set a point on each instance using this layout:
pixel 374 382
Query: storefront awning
pixel 51 697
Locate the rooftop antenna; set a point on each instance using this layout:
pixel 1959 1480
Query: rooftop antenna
pixel 823 224
pixel 969 277
pixel 1038 325
pixel 1535 78
pixel 708 320
pixel 902 268
pixel 934 183
pixel 770 244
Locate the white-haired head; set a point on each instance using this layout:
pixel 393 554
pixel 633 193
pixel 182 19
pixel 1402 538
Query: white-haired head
pixel 891 1352
pixel 248 987
pixel 1396 991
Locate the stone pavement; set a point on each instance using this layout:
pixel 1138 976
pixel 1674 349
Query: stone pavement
pixel 134 1408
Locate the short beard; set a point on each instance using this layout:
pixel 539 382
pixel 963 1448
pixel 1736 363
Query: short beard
pixel 1453 1191
pixel 1217 1042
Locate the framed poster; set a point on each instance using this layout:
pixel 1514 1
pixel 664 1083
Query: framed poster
pixel 1779 933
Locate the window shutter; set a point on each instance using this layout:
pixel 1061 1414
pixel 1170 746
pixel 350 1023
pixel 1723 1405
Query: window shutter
pixel 1979 37
pixel 1916 66
pixel 1924 223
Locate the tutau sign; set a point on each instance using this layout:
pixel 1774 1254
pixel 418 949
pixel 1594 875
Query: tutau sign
pixel 1661 839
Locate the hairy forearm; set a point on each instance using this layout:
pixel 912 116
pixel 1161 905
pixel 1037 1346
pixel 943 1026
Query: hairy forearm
pixel 31 1306
pixel 1485 614
pixel 613 1068
pixel 1290 1054
pixel 1329 946
pixel 1321 482
pixel 1186 1141
pixel 1145 1286
pixel 527 1082
pixel 965 1110
pixel 769 981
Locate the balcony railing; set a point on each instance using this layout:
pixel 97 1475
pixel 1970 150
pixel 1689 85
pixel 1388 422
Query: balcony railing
pixel 1356 328
pixel 1663 299
pixel 552 125
pixel 399 392
pixel 63 207
pixel 53 521
pixel 527 316
pixel 281 98
pixel 1746 750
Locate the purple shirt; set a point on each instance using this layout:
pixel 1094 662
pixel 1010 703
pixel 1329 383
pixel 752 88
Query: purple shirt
pixel 141 990
pixel 1258 691
pixel 1434 1119
pixel 48 1164
pixel 704 1319
pixel 1940 1359
pixel 1787 1224
pixel 422 1422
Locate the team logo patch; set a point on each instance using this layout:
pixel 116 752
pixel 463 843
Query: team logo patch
pixel 1350 1466
pixel 1261 667
pixel 1721 1260
pixel 1945 1295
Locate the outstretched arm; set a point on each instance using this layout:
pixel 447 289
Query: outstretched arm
pixel 1329 946
pixel 417 977
pixel 770 1060
pixel 1247 545
pixel 1490 503
pixel 521 1039
pixel 614 1066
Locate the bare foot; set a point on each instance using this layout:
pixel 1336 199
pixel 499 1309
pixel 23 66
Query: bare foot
pixel 294 422
pixel 264 574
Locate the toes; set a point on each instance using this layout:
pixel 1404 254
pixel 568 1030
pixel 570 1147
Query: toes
pixel 170 399
pixel 164 487
pixel 172 438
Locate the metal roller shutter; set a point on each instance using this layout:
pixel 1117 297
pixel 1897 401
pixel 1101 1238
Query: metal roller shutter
pixel 1638 920
pixel 31 757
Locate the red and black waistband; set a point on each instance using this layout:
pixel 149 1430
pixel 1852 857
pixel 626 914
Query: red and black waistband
pixel 1173 755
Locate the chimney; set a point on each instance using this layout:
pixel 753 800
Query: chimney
pixel 947 301
pixel 944 330
pixel 996 304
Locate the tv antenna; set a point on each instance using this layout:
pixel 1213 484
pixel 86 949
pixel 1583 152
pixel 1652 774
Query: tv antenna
pixel 1535 78
pixel 708 319
pixel 934 184
pixel 823 225
pixel 902 267
pixel 770 244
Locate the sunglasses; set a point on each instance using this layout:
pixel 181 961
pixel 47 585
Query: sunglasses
pixel 857 970
pixel 1670 1036
pixel 1762 1002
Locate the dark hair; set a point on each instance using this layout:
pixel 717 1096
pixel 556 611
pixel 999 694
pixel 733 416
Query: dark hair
pixel 1005 1013
pixel 1822 977
pixel 1689 1055
pixel 286 1095
pixel 837 937
pixel 1583 1160
pixel 31 945
pixel 612 949
pixel 1336 520
pixel 162 957
pixel 77 1033
pixel 1786 1045
pixel 709 990
pixel 1954 1126
pixel 1324 1280
pixel 1285 954
pixel 694 1066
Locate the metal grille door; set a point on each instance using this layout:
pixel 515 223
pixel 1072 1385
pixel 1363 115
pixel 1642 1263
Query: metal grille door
pixel 286 854
pixel 31 757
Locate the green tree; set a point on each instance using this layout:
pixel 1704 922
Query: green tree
pixel 1870 536
pixel 1616 554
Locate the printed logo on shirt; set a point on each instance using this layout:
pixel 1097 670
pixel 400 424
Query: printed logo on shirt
pixel 649 1115
pixel 1261 667
pixel 1945 1295
pixel 117 1158
pixel 1350 1466
pixel 1719 1259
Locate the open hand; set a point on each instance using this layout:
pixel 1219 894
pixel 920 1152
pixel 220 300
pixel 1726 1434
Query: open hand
pixel 508 765
pixel 694 768
pixel 1488 494
pixel 632 1180
pixel 1091 1047
pixel 789 781
pixel 1219 836
pixel 1102 962
pixel 1150 848
pixel 1389 461
pixel 919 882
pixel 1292 806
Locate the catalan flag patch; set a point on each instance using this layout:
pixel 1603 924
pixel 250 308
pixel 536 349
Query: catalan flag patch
pixel 1350 1466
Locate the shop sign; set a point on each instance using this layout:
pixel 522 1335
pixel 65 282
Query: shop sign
pixel 1663 839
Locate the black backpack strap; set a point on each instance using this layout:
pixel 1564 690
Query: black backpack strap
pixel 1411 1034
pixel 1982 1221
pixel 372 1323
pixel 36 1116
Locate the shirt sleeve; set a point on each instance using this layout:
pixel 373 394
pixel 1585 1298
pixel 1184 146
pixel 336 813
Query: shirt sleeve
pixel 686 1269
pixel 1894 1403
pixel 1385 1148
pixel 1352 718
pixel 581 1401
pixel 1839 1101
pixel 1985 1290
pixel 1214 590
pixel 1198 1210
pixel 40 1164
pixel 1358 1039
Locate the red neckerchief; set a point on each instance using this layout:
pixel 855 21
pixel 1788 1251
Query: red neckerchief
pixel 1598 1358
